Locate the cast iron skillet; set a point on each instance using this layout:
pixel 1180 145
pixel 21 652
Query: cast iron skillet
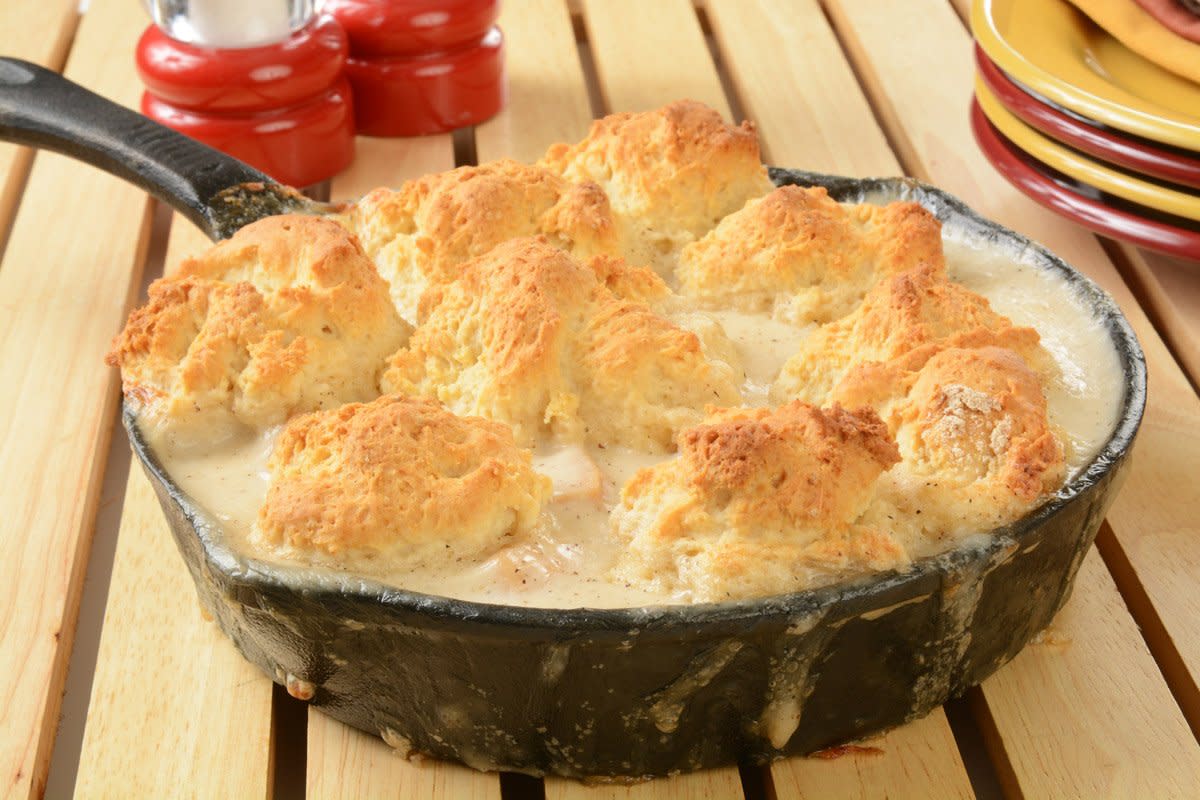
pixel 627 692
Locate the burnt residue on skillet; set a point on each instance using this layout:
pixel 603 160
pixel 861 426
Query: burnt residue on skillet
pixel 648 691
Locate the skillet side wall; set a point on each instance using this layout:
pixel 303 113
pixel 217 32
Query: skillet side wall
pixel 806 673
pixel 651 691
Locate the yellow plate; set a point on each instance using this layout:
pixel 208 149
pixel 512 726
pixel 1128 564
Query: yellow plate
pixel 1082 168
pixel 1055 50
pixel 1134 27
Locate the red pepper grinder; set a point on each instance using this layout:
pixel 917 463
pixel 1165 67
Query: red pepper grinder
pixel 261 80
pixel 422 66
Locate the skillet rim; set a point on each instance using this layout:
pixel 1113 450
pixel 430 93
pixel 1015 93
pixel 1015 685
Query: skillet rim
pixel 849 598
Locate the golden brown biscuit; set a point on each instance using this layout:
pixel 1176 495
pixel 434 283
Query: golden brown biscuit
pixel 805 257
pixel 643 377
pixel 529 336
pixel 639 284
pixel 909 317
pixel 398 478
pixel 289 315
pixel 498 341
pixel 977 449
pixel 420 234
pixel 671 174
pixel 316 281
pixel 759 501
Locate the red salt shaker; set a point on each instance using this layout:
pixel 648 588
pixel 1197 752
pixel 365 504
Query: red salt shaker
pixel 422 66
pixel 283 105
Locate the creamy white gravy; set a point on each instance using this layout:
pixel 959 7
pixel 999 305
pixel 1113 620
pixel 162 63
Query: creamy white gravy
pixel 1085 398
pixel 566 562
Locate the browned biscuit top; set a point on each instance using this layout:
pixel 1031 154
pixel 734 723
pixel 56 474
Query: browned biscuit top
pixel 421 233
pixel 287 316
pixel 805 257
pixel 529 336
pixel 402 478
pixel 906 317
pixel 759 501
pixel 976 443
pixel 671 174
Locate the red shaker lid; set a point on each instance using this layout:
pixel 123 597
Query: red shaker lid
pixel 406 96
pixel 412 27
pixel 251 78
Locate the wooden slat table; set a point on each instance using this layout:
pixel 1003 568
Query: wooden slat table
pixel 1106 704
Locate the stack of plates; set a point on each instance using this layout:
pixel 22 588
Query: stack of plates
pixel 1086 126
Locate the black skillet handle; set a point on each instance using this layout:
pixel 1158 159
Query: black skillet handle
pixel 42 109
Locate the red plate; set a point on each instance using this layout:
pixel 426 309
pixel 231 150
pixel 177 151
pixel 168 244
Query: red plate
pixel 1135 154
pixel 1129 222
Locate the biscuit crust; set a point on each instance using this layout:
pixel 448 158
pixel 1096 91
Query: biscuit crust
pixel 529 336
pixel 976 443
pixel 759 501
pixel 904 319
pixel 497 341
pixel 425 348
pixel 421 234
pixel 399 478
pixel 287 316
pixel 671 174
pixel 805 258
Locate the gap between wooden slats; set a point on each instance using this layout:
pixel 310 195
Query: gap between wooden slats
pixel 1159 641
pixel 716 784
pixel 793 81
pixel 71 265
pixel 1118 729
pixel 39 32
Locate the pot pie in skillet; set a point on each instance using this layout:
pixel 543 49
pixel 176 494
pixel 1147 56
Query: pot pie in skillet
pixel 634 373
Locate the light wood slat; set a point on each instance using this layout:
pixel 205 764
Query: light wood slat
pixel 175 709
pixel 919 759
pixel 648 54
pixel 390 162
pixel 73 260
pixel 342 761
pixel 717 784
pixel 792 79
pixel 917 65
pixel 1057 754
pixel 345 763
pixel 547 95
pixel 39 32
pixel 794 82
pixel 1170 287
